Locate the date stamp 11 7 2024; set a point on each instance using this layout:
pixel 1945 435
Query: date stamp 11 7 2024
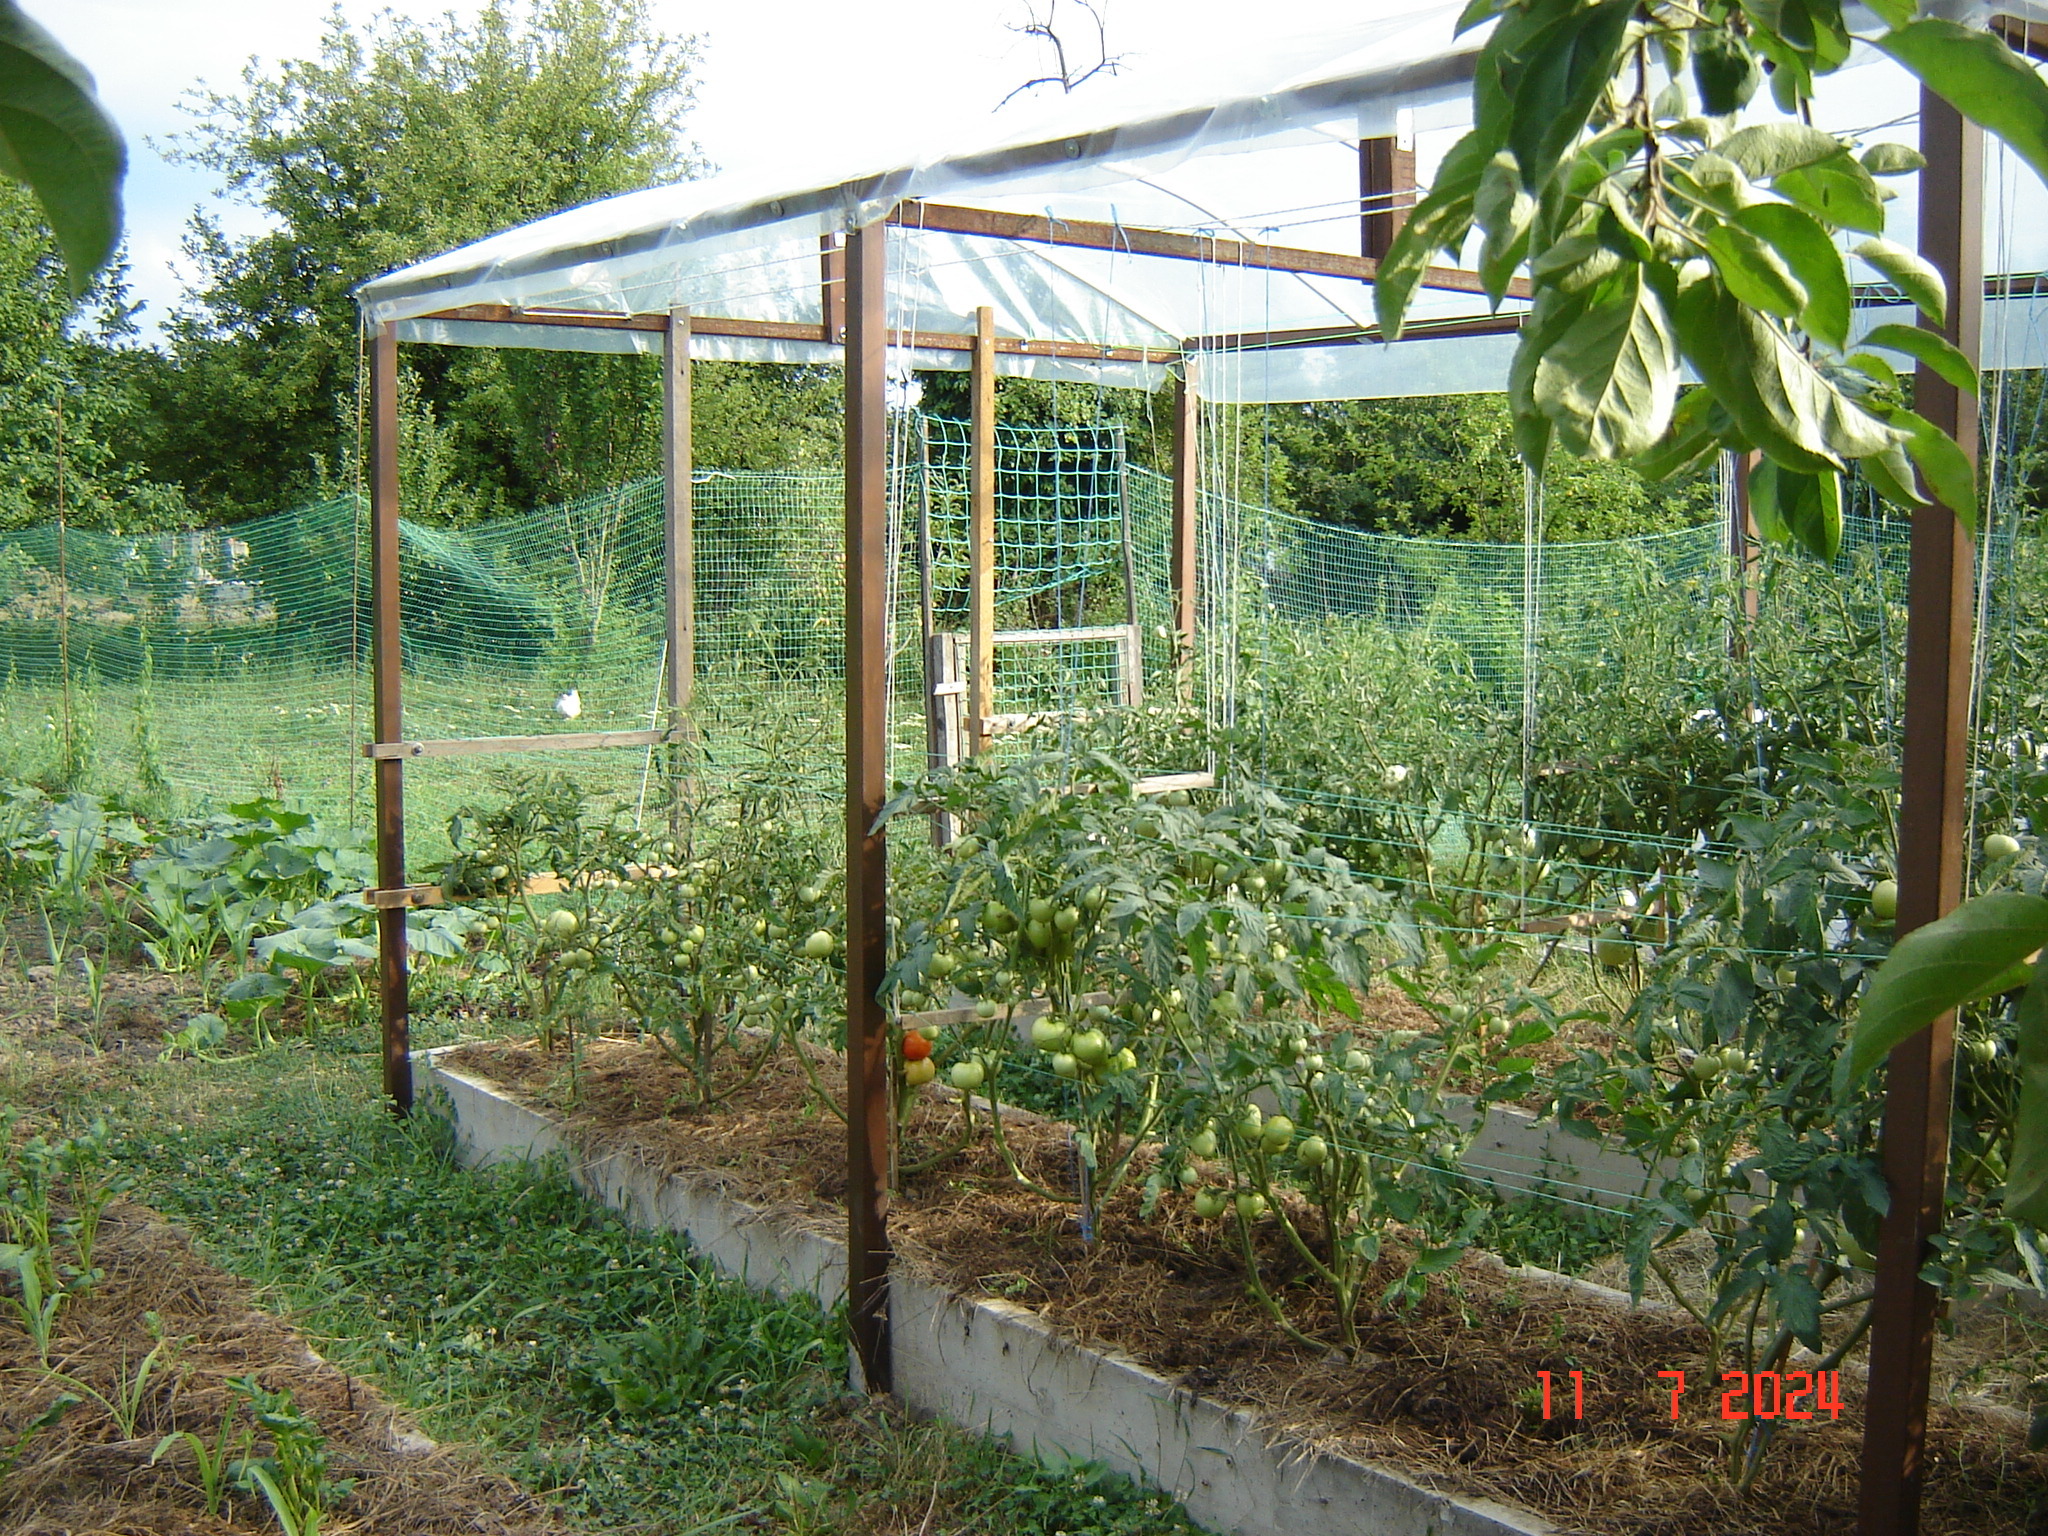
pixel 1790 1395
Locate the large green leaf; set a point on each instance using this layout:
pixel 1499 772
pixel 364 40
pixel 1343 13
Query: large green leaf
pixel 55 139
pixel 1980 77
pixel 1754 272
pixel 1609 382
pixel 1805 510
pixel 1561 77
pixel 1928 347
pixel 1911 273
pixel 1838 190
pixel 1442 218
pixel 1949 472
pixel 2026 1183
pixel 1941 966
pixel 1506 212
pixel 1771 149
pixel 1708 319
pixel 1805 247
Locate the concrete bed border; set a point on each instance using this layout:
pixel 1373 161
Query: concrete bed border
pixel 996 1368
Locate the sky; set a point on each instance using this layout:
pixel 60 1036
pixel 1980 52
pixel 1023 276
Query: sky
pixel 776 77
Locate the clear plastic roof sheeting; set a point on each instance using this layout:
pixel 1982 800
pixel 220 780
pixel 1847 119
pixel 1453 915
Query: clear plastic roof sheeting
pixel 1254 144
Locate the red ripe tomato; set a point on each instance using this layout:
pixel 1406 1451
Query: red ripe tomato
pixel 915 1046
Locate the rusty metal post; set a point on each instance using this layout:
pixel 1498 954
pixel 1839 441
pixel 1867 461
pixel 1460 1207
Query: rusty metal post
pixel 1932 816
pixel 387 659
pixel 981 531
pixel 1386 191
pixel 868 1099
pixel 1183 560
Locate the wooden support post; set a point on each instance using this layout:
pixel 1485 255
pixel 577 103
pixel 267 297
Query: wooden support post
pixel 1386 191
pixel 678 559
pixel 1932 813
pixel 868 1099
pixel 678 523
pixel 387 658
pixel 1183 559
pixel 1742 550
pixel 981 531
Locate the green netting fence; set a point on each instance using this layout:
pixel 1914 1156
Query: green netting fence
pixel 1383 682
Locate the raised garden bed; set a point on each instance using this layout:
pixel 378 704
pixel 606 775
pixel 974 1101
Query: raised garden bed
pixel 1143 1349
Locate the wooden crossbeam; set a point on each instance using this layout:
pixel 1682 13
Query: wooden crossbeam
pixel 1043 229
pixel 480 746
pixel 784 330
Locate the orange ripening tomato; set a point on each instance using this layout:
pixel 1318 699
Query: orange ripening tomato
pixel 915 1046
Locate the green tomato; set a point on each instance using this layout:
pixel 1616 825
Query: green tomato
pixel 1251 1205
pixel 1884 901
pixel 1188 1178
pixel 696 934
pixel 986 1010
pixel 1039 909
pixel 1067 919
pixel 1125 1060
pixel 966 847
pixel 2001 845
pixel 1049 1032
pixel 1275 1135
pixel 998 919
pixel 1093 898
pixel 1203 1142
pixel 819 945
pixel 917 1073
pixel 1175 798
pixel 1211 1203
pixel 1250 1120
pixel 1612 950
pixel 1039 933
pixel 1983 1050
pixel 1091 1046
pixel 1064 1065
pixel 941 965
pixel 562 923
pixel 967 1075
pixel 1226 1007
pixel 1357 1061
pixel 810 895
pixel 1313 1152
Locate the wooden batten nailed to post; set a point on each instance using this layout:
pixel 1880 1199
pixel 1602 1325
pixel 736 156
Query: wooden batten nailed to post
pixel 1182 561
pixel 1932 812
pixel 387 713
pixel 981 531
pixel 868 1103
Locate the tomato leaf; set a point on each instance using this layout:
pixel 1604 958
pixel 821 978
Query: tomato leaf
pixel 1928 347
pixel 1949 472
pixel 1938 967
pixel 2026 1184
pixel 56 140
pixel 1980 77
pixel 1911 274
pixel 1814 260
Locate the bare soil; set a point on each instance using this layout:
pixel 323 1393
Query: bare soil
pixel 1447 1390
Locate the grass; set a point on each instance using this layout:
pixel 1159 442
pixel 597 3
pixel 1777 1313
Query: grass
pixel 597 1363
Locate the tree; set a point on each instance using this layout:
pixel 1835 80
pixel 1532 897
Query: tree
pixel 68 395
pixel 397 141
pixel 1606 160
pixel 1447 467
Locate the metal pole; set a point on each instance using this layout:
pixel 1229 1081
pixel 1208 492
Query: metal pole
pixel 387 713
pixel 1932 809
pixel 981 531
pixel 868 1106
pixel 1182 560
